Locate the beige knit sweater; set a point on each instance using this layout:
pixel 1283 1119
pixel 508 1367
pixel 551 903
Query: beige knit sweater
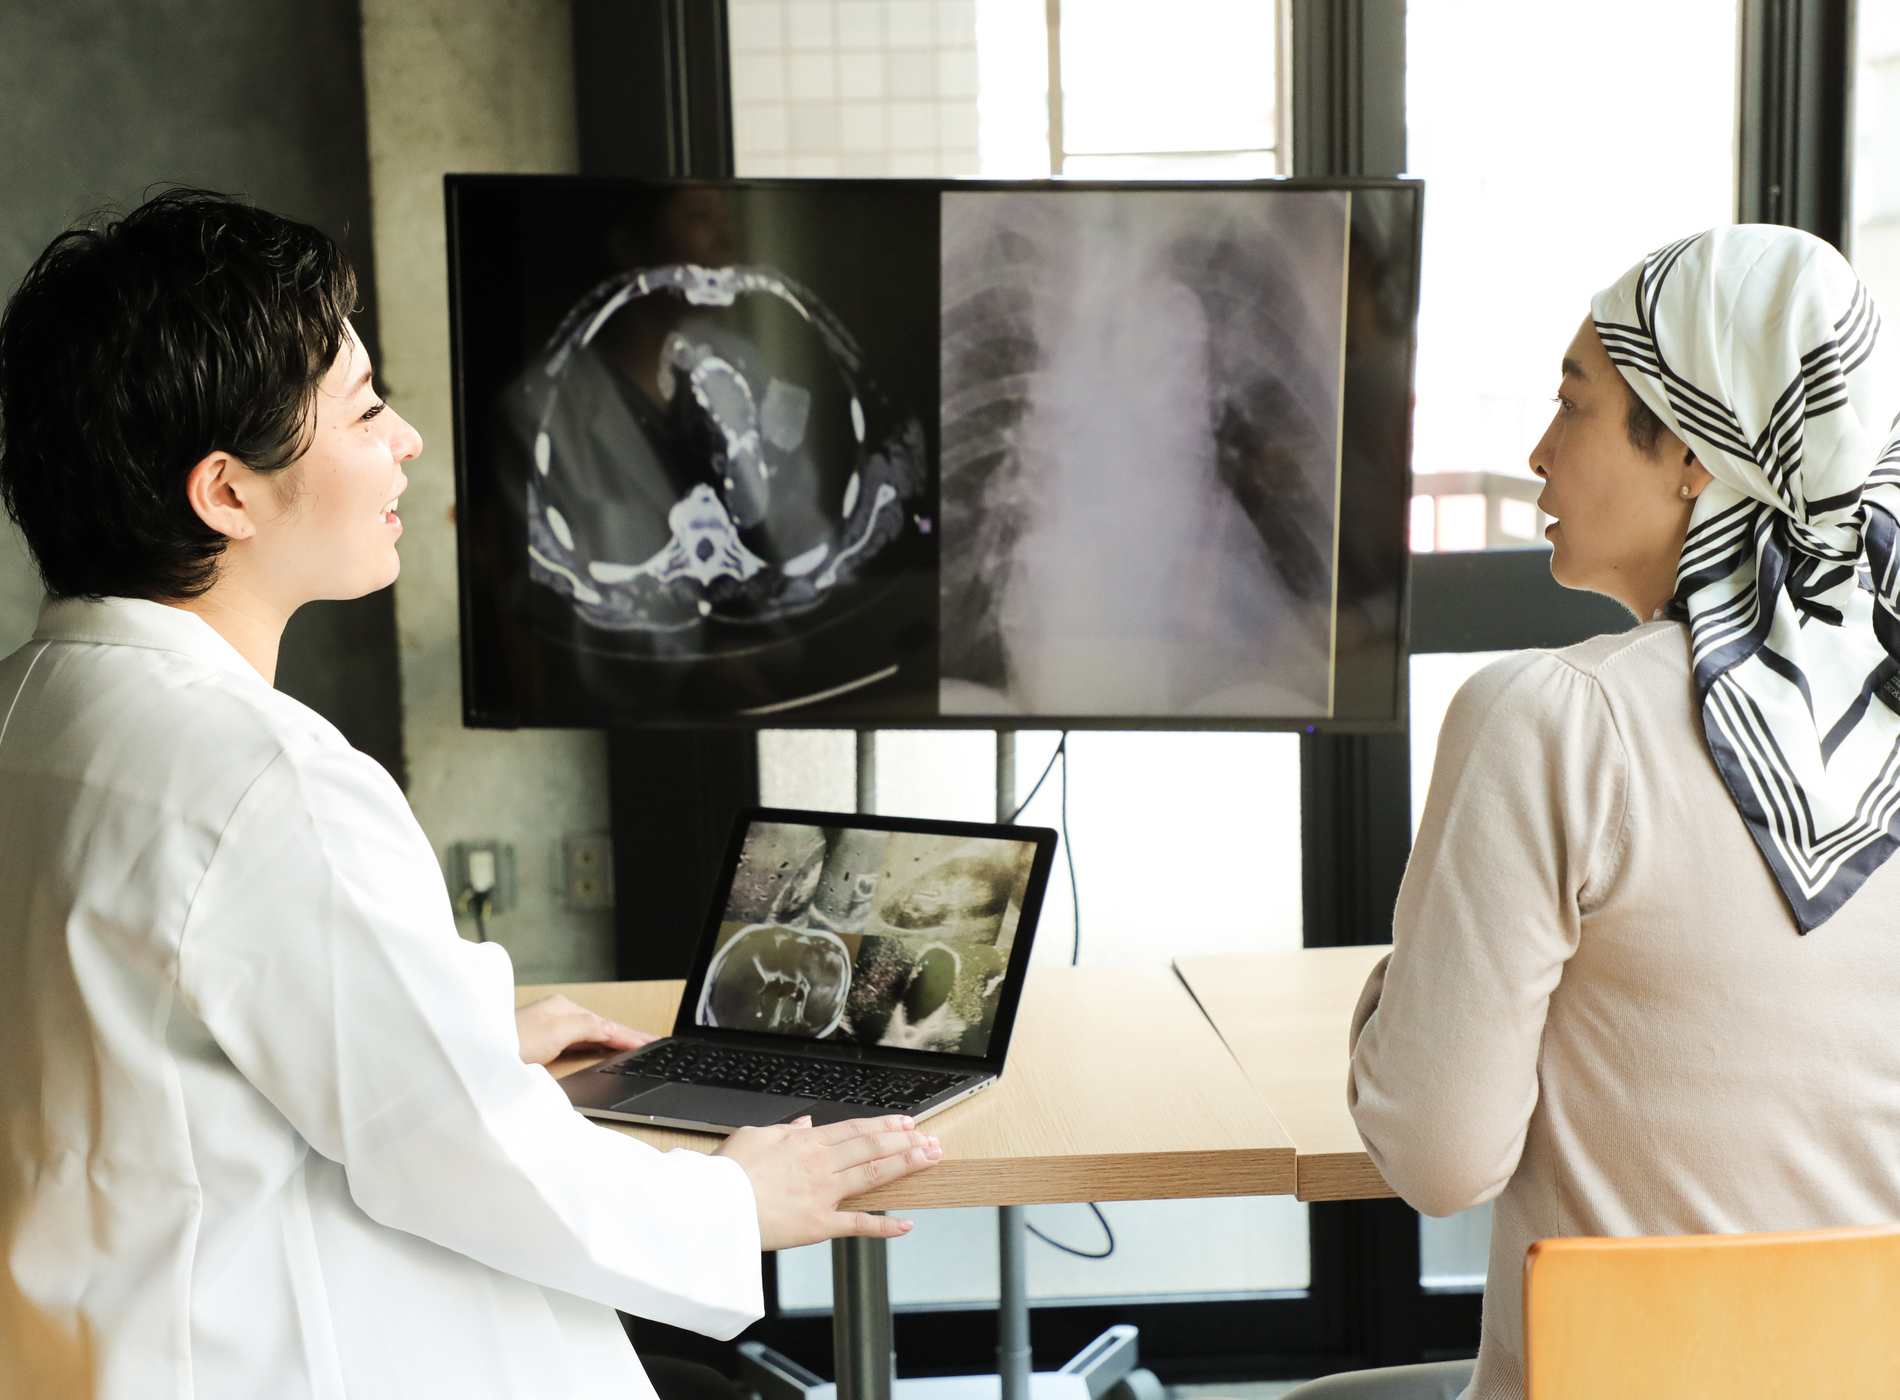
pixel 1598 1009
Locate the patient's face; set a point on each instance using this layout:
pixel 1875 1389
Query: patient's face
pixel 1620 517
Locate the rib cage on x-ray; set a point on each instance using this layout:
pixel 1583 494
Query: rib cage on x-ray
pixel 1139 451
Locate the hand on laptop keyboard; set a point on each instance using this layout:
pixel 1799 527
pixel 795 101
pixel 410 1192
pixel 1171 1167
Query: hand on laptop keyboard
pixel 800 1173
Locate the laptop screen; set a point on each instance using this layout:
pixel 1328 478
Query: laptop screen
pixel 891 938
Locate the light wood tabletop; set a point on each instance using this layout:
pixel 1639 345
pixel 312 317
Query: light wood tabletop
pixel 1285 1017
pixel 1117 1089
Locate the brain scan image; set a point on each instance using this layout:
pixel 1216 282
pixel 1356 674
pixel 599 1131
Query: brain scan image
pixel 786 981
pixel 880 938
pixel 1141 397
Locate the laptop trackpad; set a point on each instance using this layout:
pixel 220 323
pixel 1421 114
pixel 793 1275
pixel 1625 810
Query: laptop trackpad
pixel 735 1108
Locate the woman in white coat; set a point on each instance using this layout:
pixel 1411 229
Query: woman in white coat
pixel 272 1128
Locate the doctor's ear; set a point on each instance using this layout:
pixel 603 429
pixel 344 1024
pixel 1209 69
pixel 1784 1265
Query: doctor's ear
pixel 221 491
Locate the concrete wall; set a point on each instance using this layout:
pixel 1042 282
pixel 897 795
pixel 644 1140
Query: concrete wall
pixel 99 100
pixel 469 85
pixel 310 109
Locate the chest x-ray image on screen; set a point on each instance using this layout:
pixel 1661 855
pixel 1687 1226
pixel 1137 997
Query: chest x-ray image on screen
pixel 1141 394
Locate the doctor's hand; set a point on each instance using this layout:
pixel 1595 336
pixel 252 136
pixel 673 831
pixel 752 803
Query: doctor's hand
pixel 550 1027
pixel 799 1174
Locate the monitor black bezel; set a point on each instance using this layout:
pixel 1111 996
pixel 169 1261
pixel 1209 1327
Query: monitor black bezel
pixel 1044 839
pixel 482 712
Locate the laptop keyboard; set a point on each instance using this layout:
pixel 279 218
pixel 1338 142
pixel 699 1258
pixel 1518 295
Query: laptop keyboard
pixel 873 1086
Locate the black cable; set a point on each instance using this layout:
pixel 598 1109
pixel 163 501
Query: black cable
pixel 1061 748
pixel 1071 1249
pixel 1075 891
pixel 1075 957
pixel 1068 847
pixel 478 906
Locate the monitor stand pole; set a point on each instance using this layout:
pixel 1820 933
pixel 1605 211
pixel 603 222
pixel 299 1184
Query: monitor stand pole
pixel 863 1347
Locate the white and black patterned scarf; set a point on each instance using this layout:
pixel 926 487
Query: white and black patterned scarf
pixel 1761 349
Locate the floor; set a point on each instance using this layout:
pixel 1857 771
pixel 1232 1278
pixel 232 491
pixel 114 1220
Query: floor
pixel 1233 1390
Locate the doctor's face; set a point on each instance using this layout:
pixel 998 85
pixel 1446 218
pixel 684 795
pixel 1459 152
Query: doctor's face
pixel 336 534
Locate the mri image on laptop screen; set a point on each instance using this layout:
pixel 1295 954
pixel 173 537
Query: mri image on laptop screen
pixel 888 938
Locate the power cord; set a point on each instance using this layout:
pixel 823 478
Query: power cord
pixel 1075 957
pixel 1060 751
pixel 1068 846
pixel 483 875
pixel 1102 1253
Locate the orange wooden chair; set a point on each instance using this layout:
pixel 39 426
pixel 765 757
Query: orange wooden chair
pixel 1806 1313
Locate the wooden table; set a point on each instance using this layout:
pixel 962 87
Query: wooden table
pixel 1118 1089
pixel 1285 1017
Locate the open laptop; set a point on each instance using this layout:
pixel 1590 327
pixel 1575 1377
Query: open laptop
pixel 851 966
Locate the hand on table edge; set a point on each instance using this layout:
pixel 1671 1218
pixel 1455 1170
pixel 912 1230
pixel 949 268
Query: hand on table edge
pixel 800 1173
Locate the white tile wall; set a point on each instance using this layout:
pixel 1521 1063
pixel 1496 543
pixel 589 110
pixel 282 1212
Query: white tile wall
pixel 854 87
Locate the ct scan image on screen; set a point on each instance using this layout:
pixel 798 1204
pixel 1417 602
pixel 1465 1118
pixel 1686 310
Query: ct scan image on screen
pixel 723 470
pixel 873 937
pixel 1140 446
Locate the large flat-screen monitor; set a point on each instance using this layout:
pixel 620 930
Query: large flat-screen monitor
pixel 899 452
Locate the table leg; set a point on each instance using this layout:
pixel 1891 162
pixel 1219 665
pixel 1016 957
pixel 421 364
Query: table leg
pixel 1012 1305
pixel 864 1354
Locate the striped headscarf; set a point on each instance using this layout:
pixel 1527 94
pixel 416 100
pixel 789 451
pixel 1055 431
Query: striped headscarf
pixel 1762 351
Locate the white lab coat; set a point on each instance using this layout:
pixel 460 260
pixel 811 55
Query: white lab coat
pixel 268 1134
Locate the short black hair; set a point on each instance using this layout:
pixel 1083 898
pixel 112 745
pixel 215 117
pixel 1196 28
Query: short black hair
pixel 136 345
pixel 1640 421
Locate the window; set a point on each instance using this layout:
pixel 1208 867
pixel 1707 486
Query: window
pixel 856 87
pixel 1875 192
pixel 1542 186
pixel 963 87
pixel 1207 79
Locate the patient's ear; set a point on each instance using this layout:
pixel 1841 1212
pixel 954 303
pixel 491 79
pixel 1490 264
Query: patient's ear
pixel 1695 476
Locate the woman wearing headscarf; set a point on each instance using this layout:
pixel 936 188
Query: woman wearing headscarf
pixel 268 1127
pixel 1647 950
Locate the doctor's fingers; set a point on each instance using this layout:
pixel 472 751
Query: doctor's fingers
pixel 859 1150
pixel 849 1128
pixel 881 1171
pixel 579 1026
pixel 844 1224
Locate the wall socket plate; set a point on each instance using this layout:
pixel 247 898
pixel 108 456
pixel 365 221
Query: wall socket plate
pixel 467 857
pixel 584 870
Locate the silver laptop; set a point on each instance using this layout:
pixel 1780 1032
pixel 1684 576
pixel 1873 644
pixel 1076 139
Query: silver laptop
pixel 850 967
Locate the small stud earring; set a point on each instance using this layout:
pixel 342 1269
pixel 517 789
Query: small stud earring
pixel 1684 493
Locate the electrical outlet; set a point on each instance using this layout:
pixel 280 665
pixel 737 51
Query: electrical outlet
pixel 482 867
pixel 586 869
